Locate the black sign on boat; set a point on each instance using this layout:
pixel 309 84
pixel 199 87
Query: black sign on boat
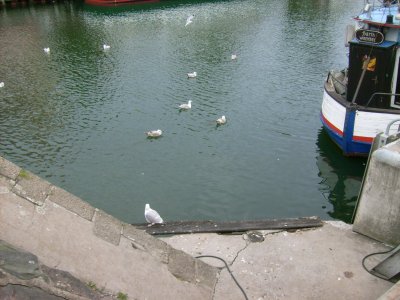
pixel 369 36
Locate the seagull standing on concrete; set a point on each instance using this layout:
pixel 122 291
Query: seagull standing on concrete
pixel 186 106
pixel 189 20
pixel 152 216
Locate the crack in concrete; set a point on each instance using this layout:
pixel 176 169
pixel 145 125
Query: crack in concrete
pixel 215 286
pixel 249 242
pixel 237 254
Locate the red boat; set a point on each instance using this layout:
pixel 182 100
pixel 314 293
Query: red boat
pixel 118 2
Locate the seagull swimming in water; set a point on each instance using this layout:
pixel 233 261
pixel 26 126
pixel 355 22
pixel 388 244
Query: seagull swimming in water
pixel 46 50
pixel 152 216
pixel 192 75
pixel 221 121
pixel 154 133
pixel 189 20
pixel 233 56
pixel 106 47
pixel 1 84
pixel 186 106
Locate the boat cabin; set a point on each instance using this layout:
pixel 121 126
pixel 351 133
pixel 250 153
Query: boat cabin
pixel 373 65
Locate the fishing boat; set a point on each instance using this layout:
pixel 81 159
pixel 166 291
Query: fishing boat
pixel 360 100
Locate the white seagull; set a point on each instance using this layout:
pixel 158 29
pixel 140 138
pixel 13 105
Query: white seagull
pixel 192 75
pixel 46 50
pixel 106 47
pixel 152 216
pixel 189 20
pixel 186 106
pixel 154 133
pixel 221 121
pixel 233 56
pixel 1 84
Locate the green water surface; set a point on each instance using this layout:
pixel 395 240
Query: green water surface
pixel 77 115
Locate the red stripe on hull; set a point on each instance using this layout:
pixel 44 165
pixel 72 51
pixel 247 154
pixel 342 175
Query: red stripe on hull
pixel 355 138
pixel 377 23
pixel 331 126
pixel 364 139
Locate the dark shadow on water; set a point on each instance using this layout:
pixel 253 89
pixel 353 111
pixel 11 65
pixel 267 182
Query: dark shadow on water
pixel 341 177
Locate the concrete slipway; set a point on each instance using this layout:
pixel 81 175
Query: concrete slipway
pixel 105 254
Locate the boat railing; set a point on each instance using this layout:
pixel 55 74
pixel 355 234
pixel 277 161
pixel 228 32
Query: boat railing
pixel 336 79
pixel 384 138
pixel 378 5
pixel 380 94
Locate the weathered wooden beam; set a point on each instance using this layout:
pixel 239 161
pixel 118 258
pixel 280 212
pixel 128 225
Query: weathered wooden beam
pixel 181 227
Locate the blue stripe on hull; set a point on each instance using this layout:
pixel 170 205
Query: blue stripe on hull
pixel 358 149
pixel 347 145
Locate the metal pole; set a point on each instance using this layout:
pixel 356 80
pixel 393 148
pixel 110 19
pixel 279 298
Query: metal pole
pixel 365 65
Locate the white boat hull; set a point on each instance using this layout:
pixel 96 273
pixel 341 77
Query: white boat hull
pixel 351 129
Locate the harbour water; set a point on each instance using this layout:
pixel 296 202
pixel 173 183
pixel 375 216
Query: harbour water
pixel 76 116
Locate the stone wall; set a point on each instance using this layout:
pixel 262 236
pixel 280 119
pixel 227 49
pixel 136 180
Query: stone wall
pixel 68 234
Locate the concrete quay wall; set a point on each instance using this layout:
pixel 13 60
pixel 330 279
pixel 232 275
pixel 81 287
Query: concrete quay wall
pixel 378 211
pixel 68 234
pixel 67 238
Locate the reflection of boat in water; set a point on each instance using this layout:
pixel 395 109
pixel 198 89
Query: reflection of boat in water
pixel 341 178
pixel 361 100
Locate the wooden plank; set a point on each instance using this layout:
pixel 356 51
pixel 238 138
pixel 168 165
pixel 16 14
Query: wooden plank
pixel 181 227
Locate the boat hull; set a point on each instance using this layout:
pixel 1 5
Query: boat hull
pixel 351 128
